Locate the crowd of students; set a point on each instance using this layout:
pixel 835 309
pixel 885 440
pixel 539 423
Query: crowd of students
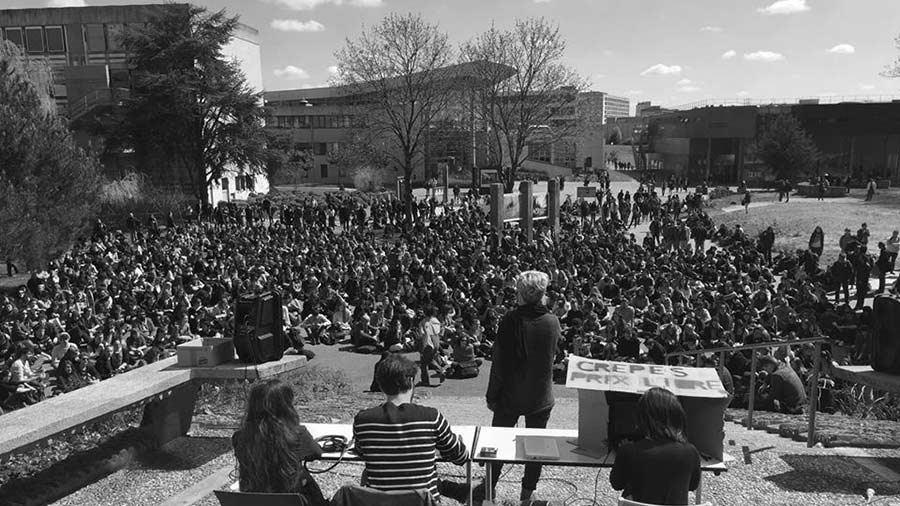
pixel 353 268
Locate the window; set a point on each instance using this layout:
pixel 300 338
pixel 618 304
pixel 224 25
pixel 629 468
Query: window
pixel 225 183
pixel 56 42
pixel 324 169
pixel 322 148
pixel 94 39
pixel 239 183
pixel 539 152
pixel 250 182
pixel 14 35
pixel 114 36
pixel 34 39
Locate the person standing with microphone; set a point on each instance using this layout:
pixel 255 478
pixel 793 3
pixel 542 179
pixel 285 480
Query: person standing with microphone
pixel 521 378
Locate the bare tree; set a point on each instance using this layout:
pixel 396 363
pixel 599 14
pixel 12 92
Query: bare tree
pixel 400 69
pixel 522 106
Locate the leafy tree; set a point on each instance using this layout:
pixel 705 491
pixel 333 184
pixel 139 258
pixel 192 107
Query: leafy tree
pixel 527 83
pixel 48 185
pixel 400 67
pixel 786 147
pixel 191 109
pixel 893 70
pixel 285 160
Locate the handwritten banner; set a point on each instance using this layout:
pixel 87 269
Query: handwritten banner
pixel 589 374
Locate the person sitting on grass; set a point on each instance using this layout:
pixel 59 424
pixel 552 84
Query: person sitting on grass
pixel 398 432
pixel 662 467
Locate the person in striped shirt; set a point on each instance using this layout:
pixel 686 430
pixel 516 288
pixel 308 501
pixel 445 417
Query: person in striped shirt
pixel 400 441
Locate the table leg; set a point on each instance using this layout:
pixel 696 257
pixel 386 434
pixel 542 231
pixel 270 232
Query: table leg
pixel 489 483
pixel 469 482
pixel 698 494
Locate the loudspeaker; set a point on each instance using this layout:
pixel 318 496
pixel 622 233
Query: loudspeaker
pixel 258 335
pixel 884 345
pixel 623 418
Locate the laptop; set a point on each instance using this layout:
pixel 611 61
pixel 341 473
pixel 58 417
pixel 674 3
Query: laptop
pixel 540 448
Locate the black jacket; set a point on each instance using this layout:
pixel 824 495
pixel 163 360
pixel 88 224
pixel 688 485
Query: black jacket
pixel 521 380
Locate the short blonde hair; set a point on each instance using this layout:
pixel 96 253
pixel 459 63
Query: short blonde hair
pixel 531 286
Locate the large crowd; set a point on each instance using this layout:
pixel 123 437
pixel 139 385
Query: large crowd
pixel 356 271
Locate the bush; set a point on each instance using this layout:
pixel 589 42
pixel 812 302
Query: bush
pixel 135 194
pixel 368 179
pixel 861 401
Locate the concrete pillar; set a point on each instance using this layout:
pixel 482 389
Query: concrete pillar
pixel 496 207
pixel 553 197
pixel 526 209
pixel 445 181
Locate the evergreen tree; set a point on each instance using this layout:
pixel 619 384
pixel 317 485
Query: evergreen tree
pixel 191 111
pixel 48 185
pixel 786 148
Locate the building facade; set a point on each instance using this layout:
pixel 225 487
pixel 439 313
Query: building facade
pixel 615 107
pixel 91 73
pixel 859 140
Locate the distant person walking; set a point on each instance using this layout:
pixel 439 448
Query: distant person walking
pixel 12 270
pixel 746 201
pixel 870 189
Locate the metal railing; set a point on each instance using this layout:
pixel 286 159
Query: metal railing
pixel 97 98
pixel 814 380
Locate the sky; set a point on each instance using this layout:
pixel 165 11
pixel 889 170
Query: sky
pixel 670 52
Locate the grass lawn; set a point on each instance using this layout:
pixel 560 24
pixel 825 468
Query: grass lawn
pixel 794 221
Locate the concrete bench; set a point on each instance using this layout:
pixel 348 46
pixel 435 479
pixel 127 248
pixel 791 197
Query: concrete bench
pixel 167 392
pixel 808 190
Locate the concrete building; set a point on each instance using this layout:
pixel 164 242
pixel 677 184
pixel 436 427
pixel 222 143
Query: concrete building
pixel 91 73
pixel 321 120
pixel 855 139
pixel 615 107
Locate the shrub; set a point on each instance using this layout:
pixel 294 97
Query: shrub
pixel 368 179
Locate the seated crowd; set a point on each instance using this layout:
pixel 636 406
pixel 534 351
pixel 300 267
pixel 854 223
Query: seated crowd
pixel 356 270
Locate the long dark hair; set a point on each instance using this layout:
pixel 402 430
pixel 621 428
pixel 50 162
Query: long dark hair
pixel 661 416
pixel 266 447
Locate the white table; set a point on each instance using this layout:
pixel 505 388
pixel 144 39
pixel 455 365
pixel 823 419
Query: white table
pixel 510 450
pixel 468 433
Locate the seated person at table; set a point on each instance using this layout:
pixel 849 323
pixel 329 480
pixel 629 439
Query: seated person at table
pixel 271 446
pixel 661 468
pixel 398 440
pixel 783 391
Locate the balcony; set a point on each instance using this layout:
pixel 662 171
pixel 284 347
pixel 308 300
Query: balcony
pixel 96 100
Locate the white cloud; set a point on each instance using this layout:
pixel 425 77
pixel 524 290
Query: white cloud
pixel 305 5
pixel 295 25
pixel 333 70
pixel 684 82
pixel 713 29
pixel 66 3
pixel 763 56
pixel 688 89
pixel 785 7
pixel 866 87
pixel 727 55
pixel 743 94
pixel 662 70
pixel 634 92
pixel 842 49
pixel 291 72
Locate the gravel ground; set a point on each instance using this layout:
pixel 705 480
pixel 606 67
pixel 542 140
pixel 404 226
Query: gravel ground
pixel 776 471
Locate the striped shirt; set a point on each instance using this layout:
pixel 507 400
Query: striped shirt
pixel 400 445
